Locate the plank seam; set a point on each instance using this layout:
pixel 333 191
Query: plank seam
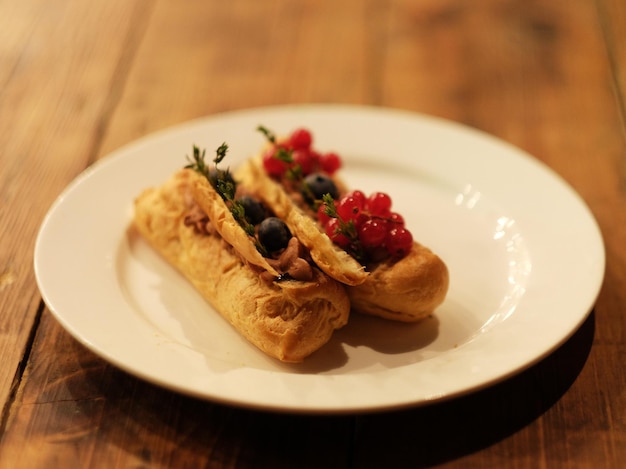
pixel 609 38
pixel 119 78
pixel 20 370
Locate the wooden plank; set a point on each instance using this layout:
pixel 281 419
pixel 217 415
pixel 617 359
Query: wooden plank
pixel 506 417
pixel 613 17
pixel 48 132
pixel 53 422
pixel 538 75
pixel 75 410
pixel 288 56
pixel 506 67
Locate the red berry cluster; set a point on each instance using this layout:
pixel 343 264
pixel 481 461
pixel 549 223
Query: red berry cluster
pixel 296 151
pixel 366 224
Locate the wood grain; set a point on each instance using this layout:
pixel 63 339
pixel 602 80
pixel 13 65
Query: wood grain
pixel 613 17
pixel 80 79
pixel 77 411
pixel 56 77
pixel 281 59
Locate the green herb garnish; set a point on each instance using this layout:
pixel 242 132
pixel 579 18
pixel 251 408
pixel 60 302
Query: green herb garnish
pixel 220 153
pixel 197 163
pixel 269 135
pixel 293 171
pixel 225 185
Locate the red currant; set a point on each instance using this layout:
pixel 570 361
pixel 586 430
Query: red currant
pixel 303 159
pixel 349 207
pixel 396 219
pixel 398 241
pixel 333 230
pixel 361 218
pixel 358 196
pixel 273 166
pixel 315 159
pixel 330 162
pixel 321 215
pixel 300 139
pixel 379 204
pixel 372 233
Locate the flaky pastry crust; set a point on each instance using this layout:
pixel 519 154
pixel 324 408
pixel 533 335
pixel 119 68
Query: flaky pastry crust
pixel 288 320
pixel 408 289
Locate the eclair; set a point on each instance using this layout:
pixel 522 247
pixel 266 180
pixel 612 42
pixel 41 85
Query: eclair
pixel 356 239
pixel 261 280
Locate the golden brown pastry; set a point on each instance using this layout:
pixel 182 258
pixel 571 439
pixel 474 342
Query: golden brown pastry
pixel 407 289
pixel 286 318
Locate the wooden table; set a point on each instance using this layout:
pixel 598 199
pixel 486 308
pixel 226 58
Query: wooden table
pixel 81 78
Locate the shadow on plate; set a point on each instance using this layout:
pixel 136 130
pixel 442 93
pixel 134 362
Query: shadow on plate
pixel 381 344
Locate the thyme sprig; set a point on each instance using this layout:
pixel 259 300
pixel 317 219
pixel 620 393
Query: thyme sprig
pixel 197 163
pixel 220 153
pixel 223 183
pixel 221 179
pixel 269 135
pixel 284 154
pixel 345 228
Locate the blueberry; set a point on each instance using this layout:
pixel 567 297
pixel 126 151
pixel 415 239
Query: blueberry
pixel 255 210
pixel 274 234
pixel 316 185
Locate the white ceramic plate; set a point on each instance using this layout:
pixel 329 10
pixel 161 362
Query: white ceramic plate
pixel 525 255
